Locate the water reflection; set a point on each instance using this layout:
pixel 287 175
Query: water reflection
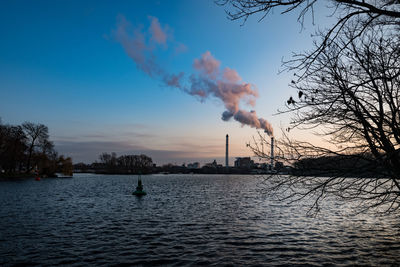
pixel 183 220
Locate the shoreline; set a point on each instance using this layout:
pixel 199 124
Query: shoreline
pixel 24 176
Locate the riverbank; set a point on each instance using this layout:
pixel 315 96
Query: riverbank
pixel 24 176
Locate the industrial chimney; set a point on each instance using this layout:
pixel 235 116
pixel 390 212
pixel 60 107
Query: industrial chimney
pixel 272 152
pixel 226 152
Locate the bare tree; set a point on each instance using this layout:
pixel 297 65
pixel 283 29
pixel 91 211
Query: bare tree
pixel 242 9
pixel 105 158
pixel 126 163
pixel 348 91
pixel 27 145
pixel 12 147
pixel 351 97
pixel 36 134
pixel 65 165
pixel 358 15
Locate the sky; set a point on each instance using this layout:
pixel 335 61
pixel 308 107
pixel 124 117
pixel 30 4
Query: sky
pixel 165 78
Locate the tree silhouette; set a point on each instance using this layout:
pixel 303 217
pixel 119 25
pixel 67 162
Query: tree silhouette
pixel 12 147
pixel 28 145
pixel 357 15
pixel 348 89
pixel 36 133
pixel 126 163
pixel 351 96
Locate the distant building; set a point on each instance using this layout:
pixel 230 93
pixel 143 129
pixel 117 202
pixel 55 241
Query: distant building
pixel 194 165
pixel 244 163
pixel 264 166
pixel 279 166
pixel 212 164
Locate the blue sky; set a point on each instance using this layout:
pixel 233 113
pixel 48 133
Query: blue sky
pixel 61 65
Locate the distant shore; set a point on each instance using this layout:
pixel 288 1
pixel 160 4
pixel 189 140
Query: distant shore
pixel 26 176
pixel 199 171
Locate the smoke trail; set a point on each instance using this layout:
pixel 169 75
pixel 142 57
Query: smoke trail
pixel 138 46
pixel 157 33
pixel 228 86
pixel 207 80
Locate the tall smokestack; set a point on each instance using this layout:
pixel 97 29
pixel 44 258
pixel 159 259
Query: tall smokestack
pixel 226 152
pixel 272 152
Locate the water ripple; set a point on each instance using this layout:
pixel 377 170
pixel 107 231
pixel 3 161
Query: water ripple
pixel 184 220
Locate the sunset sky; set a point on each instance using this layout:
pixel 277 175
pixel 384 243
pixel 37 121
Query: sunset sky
pixel 139 76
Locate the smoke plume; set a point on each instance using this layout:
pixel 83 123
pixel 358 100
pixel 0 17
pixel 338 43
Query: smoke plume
pixel 157 33
pixel 207 80
pixel 226 85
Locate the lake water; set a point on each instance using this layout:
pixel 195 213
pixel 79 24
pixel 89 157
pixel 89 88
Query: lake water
pixel 184 220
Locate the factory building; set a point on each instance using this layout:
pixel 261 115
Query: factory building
pixel 244 163
pixel 194 165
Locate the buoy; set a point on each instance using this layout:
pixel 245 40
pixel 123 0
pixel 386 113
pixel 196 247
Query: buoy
pixel 139 188
pixel 37 178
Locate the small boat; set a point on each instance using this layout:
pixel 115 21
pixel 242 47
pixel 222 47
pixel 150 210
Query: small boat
pixel 139 188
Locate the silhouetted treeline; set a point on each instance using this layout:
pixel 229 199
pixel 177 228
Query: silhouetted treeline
pixel 26 149
pixel 341 165
pixel 125 164
pixel 134 164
